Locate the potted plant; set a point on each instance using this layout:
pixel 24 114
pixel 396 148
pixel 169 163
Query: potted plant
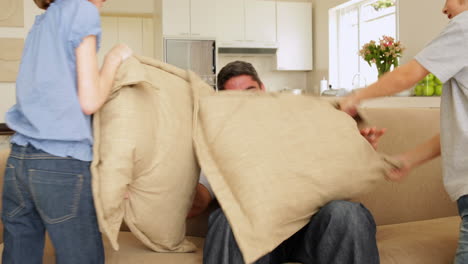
pixel 381 4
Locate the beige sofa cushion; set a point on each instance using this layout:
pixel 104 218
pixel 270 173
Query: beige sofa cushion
pixel 274 159
pixel 143 146
pixel 422 194
pixel 134 252
pixel 421 242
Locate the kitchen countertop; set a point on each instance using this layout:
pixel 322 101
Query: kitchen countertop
pixel 397 101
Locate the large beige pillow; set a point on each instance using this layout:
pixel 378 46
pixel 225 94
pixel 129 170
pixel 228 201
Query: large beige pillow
pixel 143 146
pixel 274 159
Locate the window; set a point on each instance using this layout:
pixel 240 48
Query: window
pixel 351 25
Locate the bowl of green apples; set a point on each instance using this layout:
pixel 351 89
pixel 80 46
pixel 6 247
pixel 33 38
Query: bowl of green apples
pixel 429 86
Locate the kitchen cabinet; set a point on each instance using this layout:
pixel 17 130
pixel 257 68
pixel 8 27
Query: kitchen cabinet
pixel 189 19
pixel 246 23
pixel 136 32
pixel 260 21
pixel 294 25
pixel 176 17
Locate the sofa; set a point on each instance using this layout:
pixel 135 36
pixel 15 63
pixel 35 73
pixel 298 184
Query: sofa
pixel 416 220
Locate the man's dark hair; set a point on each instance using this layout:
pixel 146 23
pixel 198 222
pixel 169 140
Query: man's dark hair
pixel 234 69
pixel 43 4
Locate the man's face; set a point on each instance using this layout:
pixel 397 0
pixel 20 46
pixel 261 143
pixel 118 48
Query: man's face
pixel 243 82
pixel 454 7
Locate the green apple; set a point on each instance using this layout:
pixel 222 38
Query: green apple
pixel 418 90
pixel 428 90
pixel 438 90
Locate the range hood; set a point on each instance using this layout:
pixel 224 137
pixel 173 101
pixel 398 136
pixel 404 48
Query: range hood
pixel 247 47
pixel 244 50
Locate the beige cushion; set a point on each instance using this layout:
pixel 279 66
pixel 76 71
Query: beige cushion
pixel 274 159
pixel 133 251
pixel 143 146
pixel 421 242
pixel 421 195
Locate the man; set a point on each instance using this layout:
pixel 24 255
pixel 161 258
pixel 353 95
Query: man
pixel 340 232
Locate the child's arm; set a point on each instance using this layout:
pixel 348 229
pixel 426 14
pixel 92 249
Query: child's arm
pixel 93 85
pixel 415 157
pixel 402 78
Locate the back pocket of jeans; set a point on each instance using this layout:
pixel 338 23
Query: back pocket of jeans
pixel 56 194
pixel 13 200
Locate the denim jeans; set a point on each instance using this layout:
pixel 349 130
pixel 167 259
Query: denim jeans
pixel 42 192
pixel 462 250
pixel 341 232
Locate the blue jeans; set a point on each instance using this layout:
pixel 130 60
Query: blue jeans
pixel 462 250
pixel 42 192
pixel 341 232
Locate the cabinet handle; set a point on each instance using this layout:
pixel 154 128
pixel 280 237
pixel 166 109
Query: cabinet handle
pixel 196 34
pixel 183 34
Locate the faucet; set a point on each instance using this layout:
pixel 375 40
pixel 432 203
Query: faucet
pixel 358 84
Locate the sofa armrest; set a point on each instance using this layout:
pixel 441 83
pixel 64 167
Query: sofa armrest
pixel 4 153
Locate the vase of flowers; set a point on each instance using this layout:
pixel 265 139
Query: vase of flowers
pixel 384 54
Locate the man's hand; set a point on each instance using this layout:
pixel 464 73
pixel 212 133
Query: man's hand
pixel 398 174
pixel 201 201
pixel 372 134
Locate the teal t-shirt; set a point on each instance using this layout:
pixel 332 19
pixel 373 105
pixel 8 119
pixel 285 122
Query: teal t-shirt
pixel 47 113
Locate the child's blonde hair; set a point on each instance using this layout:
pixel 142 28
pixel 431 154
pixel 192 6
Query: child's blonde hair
pixel 43 4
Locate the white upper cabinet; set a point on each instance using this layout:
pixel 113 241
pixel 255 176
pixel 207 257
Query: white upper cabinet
pixel 203 19
pixel 246 23
pixel 230 21
pixel 189 18
pixel 136 32
pixel 294 22
pixel 176 17
pixel 260 21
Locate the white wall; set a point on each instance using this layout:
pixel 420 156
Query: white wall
pixel 7 90
pixel 420 21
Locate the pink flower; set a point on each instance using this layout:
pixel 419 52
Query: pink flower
pixel 384 54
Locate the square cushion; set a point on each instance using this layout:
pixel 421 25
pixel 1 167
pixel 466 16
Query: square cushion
pixel 274 159
pixel 143 146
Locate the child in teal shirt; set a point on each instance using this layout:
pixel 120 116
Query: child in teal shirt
pixel 47 184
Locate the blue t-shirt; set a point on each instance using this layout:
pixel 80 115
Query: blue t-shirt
pixel 47 113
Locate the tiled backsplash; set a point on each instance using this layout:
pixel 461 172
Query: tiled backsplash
pixel 265 65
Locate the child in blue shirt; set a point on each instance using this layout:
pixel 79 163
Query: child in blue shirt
pixel 447 58
pixel 47 184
